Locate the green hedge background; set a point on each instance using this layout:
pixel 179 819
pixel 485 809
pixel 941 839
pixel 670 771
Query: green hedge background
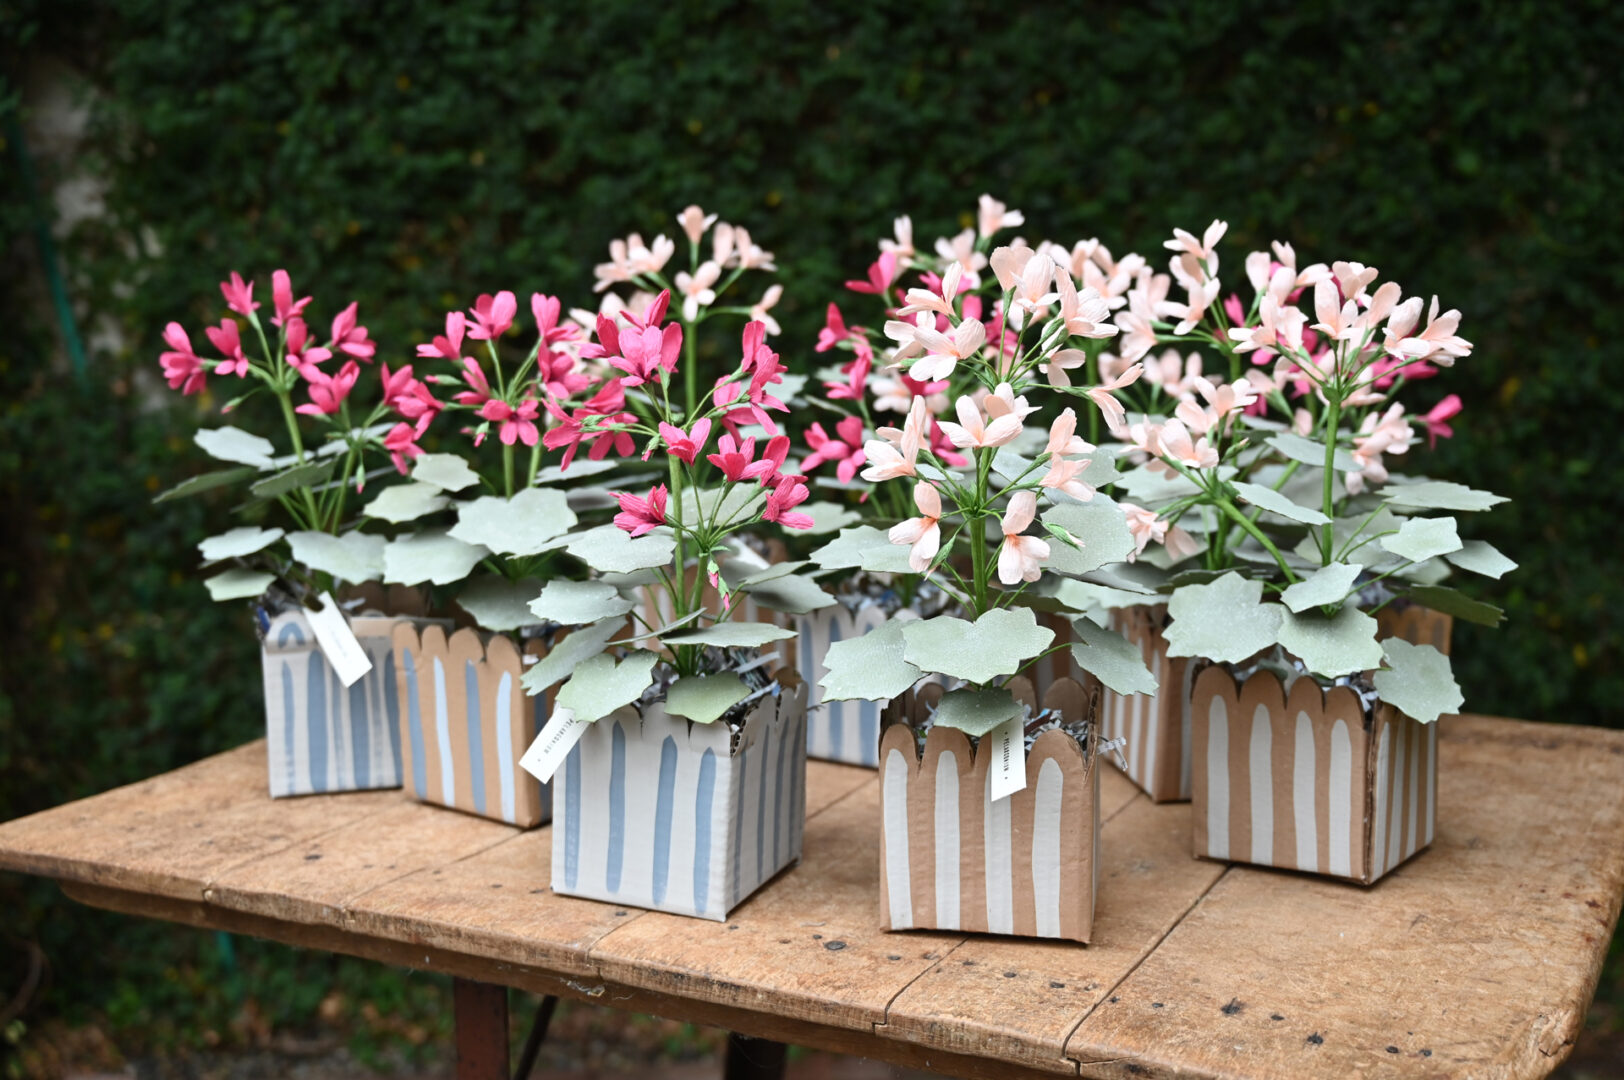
pixel 412 154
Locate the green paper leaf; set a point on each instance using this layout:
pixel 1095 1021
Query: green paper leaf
pixel 239 584
pixel 1152 489
pixel 1439 495
pixel 732 635
pixel 977 712
pixel 521 525
pixel 1327 585
pixel 573 602
pixel 1418 681
pixel 1276 503
pixel 569 651
pixel 310 474
pixel 1420 539
pixel 1367 550
pixel 1101 468
pixel 704 698
pixel 793 595
pixel 1098 525
pixel 579 469
pixel 1330 647
pixel 1310 452
pixel 236 446
pixel 599 686
pixel 1457 604
pixel 354 557
pixel 496 603
pixel 995 644
pixel 738 502
pixel 448 472
pixel 1111 658
pixel 611 550
pixel 865 548
pixel 236 543
pixel 196 485
pixel 407 502
pixel 828 517
pixel 869 668
pixel 429 556
pixel 1481 557
pixel 1225 621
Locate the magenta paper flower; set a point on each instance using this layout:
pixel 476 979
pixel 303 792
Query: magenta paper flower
pixel 282 299
pixel 350 338
pixel 401 442
pixel 514 424
pixel 789 492
pixel 638 516
pixel 239 296
pixel 493 315
pixel 228 339
pixel 181 366
pixel 683 445
pixel 845 448
pixel 327 392
pixel 449 345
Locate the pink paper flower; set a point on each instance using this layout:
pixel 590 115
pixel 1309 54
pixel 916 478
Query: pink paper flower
pixel 921 535
pixel 182 367
pixel 943 351
pixel 301 350
pixel 834 330
pixel 449 345
pixel 479 388
pixel 1436 419
pixel 685 446
pixel 327 392
pixel 638 516
pixel 282 298
pixel 694 222
pixel 493 315
pixel 760 309
pixel 514 424
pixel 880 276
pixel 1102 396
pixel 992 215
pixel 972 431
pixel 737 459
pixel 896 452
pixel 845 448
pixel 857 376
pixel 1021 557
pixel 227 338
pixel 1066 475
pixel 401 442
pixel 789 492
pixel 239 296
pixel 646 351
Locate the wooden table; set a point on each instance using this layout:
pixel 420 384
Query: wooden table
pixel 1478 958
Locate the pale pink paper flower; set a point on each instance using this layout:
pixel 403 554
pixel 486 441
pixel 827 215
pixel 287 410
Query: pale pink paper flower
pixel 1066 476
pixel 941 303
pixel 649 259
pixel 1280 328
pixel 1085 314
pixel 696 288
pixel 1145 526
pixel 1388 433
pixel 1003 402
pixel 906 335
pixel 962 250
pixel 769 300
pixel 1180 544
pixel 1021 557
pixel 923 534
pixel 1226 398
pixel 1138 333
pixel 1102 395
pixel 896 393
pixel 1063 438
pixel 1177 444
pixel 1204 260
pixel 1174 375
pixel 1062 361
pixel 903 246
pixel 694 222
pixel 992 215
pixel 1199 296
pixel 1438 343
pixel 1352 277
pixel 895 452
pixel 1302 422
pixel 751 256
pixel 973 431
pixel 944 351
pixel 722 244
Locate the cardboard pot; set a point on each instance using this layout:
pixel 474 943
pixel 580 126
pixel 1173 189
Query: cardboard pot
pixel 653 811
pixel 951 858
pixel 320 735
pixel 1309 780
pixel 846 731
pixel 465 721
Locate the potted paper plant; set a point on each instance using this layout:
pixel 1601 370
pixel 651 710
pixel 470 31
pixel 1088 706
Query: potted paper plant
pixel 1313 738
pixel 988 789
pixel 330 691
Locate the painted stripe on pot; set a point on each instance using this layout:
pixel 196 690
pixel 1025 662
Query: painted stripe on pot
pixel 286 751
pixel 617 807
pixel 704 797
pixel 898 885
pixel 1046 807
pixel 504 743
pixel 476 736
pixel 1338 859
pixel 360 734
pixel 1262 777
pixel 761 803
pixel 572 817
pixel 1153 716
pixel 1000 867
pixel 316 710
pixel 1302 795
pixel 391 706
pixel 442 736
pixel 662 817
pixel 1218 779
pixel 947 841
pixel 414 724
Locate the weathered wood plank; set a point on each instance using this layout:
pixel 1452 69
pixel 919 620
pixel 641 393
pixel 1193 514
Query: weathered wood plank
pixel 1477 958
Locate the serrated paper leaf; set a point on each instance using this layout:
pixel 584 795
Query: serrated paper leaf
pixel 732 635
pixel 1366 550
pixel 869 668
pixel 236 543
pixel 865 548
pixel 238 584
pixel 1101 468
pixel 828 517
pixel 1327 585
pixel 1111 658
pixel 995 644
pixel 734 502
pixel 976 712
pixel 521 525
pixel 208 481
pixel 1225 621
pixel 1310 452
pixel 1439 495
pixel 567 652
pixel 611 550
pixel 1420 539
pixel 1098 525
pixel 429 556
pixel 1330 647
pixel 704 698
pixel 1152 489
pixel 448 472
pixel 793 595
pixel 236 446
pixel 407 502
pixel 579 469
pixel 354 557
pixel 1457 604
pixel 1481 557
pixel 574 602
pixel 499 604
pixel 1418 681
pixel 599 686
pixel 310 474
pixel 1276 503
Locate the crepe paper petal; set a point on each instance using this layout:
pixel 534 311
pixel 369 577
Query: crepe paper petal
pixel 793 595
pixel 610 550
pixel 1310 452
pixel 1439 495
pixel 1420 539
pixel 828 517
pixel 568 652
pixel 977 712
pixel 236 543
pixel 496 603
pixel 406 502
pixel 448 472
pixel 429 556
pixel 311 474
pixel 578 470
pixel 704 698
pixel 208 481
pixel 1447 601
pixel 354 557
pixel 239 584
pixel 865 548
pixel 236 446
pixel 1225 621
pixel 732 635
pixel 519 526
pixel 1418 681
pixel 1097 526
pixel 978 652
pixel 575 602
pixel 1340 645
pixel 1111 658
pixel 1276 503
pixel 1327 585
pixel 599 686
pixel 869 668
pixel 1481 557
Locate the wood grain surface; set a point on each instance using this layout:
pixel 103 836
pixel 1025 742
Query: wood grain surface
pixel 1476 958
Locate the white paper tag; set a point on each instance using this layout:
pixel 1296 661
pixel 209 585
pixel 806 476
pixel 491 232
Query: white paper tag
pixel 337 641
pixel 1008 757
pixel 558 737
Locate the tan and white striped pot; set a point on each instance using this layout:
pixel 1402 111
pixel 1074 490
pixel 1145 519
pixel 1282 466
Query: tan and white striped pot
pixel 1308 780
pixel 951 858
pixel 1155 727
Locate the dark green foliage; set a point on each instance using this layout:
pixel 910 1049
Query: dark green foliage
pixel 414 154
